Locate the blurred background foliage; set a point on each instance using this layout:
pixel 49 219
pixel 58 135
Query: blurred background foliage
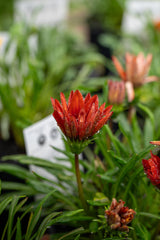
pixel 6 14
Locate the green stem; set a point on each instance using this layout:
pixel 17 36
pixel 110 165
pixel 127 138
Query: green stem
pixel 80 189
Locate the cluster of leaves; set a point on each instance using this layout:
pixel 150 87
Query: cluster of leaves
pixel 113 169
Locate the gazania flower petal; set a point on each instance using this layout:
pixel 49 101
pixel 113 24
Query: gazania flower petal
pixel 101 122
pixel 58 106
pixel 119 68
pixel 77 103
pixel 87 98
pixel 102 107
pixel 70 98
pixel 155 142
pixel 129 67
pixel 91 113
pixel 107 110
pixel 63 101
pixel 53 102
pixel 89 104
pixel 151 79
pixel 59 120
pixel 73 127
pixel 130 91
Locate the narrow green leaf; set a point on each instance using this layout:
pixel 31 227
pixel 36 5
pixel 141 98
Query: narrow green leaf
pixel 134 175
pixel 150 215
pixel 36 216
pixel 19 232
pixel 4 204
pixel 77 237
pixel 45 223
pixel 78 230
pixel 24 159
pixel 16 171
pixel 11 216
pixel 148 112
pixel 148 132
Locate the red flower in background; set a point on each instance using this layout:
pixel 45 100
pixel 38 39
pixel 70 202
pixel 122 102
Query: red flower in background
pixel 116 92
pixel 80 118
pixel 152 169
pixel 135 75
pixel 118 216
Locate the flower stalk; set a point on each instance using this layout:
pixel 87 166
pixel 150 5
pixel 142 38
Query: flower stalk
pixel 79 183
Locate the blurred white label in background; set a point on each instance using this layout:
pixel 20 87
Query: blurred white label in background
pixel 41 12
pixel 137 13
pixel 39 138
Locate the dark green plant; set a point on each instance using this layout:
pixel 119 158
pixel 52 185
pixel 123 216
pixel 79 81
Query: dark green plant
pixel 108 14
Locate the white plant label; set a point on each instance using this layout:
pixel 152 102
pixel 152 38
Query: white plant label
pixel 138 12
pixel 41 12
pixel 39 138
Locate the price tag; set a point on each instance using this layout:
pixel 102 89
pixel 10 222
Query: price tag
pixel 39 138
pixel 40 12
pixel 137 14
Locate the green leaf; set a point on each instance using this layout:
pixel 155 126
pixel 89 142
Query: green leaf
pixel 77 237
pixel 45 223
pixel 16 171
pixel 35 217
pixel 93 227
pixel 148 112
pixel 5 203
pixel 148 132
pixel 35 161
pixel 150 215
pixel 129 166
pixel 132 179
pixel 11 216
pixel 18 232
pixel 78 230
pixel 66 216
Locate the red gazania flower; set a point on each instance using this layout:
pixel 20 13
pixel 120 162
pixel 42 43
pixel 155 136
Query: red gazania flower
pixel 135 75
pixel 80 118
pixel 152 169
pixel 118 216
pixel 116 92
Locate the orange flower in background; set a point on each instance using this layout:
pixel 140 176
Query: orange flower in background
pixel 118 216
pixel 152 169
pixel 1 41
pixel 116 92
pixel 80 118
pixel 155 143
pixel 157 25
pixel 135 75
